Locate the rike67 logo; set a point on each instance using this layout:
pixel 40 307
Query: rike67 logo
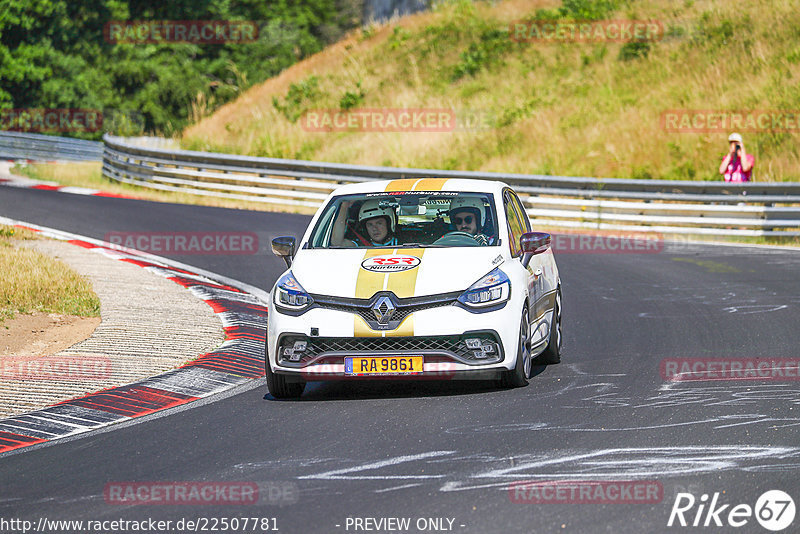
pixel 774 510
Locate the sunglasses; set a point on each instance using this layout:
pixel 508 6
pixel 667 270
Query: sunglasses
pixel 467 219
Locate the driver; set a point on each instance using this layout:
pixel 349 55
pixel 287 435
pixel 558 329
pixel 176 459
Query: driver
pixel 376 222
pixel 468 214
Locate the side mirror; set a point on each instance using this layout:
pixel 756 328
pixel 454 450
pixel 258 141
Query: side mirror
pixel 533 243
pixel 284 247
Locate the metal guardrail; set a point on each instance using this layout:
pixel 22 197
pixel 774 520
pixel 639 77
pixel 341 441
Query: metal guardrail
pixel 666 206
pixel 18 145
pixel 750 209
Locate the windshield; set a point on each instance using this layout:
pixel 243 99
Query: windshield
pixel 407 219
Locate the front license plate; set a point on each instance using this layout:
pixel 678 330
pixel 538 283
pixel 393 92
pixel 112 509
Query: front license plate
pixel 383 365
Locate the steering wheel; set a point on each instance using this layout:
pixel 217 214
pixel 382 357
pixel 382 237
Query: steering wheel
pixel 456 238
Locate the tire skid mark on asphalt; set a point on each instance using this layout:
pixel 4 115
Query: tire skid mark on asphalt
pixel 630 463
pixel 449 471
pixel 237 360
pixel 348 473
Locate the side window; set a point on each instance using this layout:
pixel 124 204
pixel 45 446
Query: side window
pixel 523 215
pixel 515 226
pixel 322 236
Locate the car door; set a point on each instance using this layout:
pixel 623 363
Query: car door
pixel 539 285
pixel 518 225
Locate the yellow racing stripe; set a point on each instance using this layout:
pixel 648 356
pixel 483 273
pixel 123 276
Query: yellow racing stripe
pixel 406 328
pixel 368 283
pixel 404 184
pixel 403 284
pixel 360 328
pixel 430 184
pixel 415 184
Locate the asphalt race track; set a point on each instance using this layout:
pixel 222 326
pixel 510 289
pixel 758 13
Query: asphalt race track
pixel 450 450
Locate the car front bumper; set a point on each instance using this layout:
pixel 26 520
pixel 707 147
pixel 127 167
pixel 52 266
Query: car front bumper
pixel 454 342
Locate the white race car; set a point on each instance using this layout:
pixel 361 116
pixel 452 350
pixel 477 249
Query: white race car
pixel 427 278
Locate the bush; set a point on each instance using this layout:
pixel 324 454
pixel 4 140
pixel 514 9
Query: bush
pixel 350 100
pixel 492 45
pixel 633 50
pixel 298 97
pixel 587 9
pixel 641 173
pixel 716 33
pixel 398 38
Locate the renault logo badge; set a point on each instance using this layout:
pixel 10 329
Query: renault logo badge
pixel 383 310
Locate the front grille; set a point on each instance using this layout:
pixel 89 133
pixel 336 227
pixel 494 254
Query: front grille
pixel 323 347
pixel 404 307
pixel 400 313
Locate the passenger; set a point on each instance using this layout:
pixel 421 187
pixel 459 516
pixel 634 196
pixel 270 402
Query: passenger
pixel 468 214
pixel 377 225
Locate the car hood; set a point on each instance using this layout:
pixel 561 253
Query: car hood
pixel 360 273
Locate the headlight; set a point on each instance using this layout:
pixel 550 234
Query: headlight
pixel 494 288
pixel 290 295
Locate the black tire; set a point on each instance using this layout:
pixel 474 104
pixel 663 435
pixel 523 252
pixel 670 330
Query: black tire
pixel 552 353
pixel 278 386
pixel 518 376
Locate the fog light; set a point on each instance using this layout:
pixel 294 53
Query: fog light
pixel 294 353
pixel 473 343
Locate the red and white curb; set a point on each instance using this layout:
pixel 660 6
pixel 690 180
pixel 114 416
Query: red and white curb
pixel 240 358
pixel 11 180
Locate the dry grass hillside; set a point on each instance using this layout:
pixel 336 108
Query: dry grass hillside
pixel 580 109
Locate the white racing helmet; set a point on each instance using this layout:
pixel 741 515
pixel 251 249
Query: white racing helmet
pixel 372 208
pixel 471 203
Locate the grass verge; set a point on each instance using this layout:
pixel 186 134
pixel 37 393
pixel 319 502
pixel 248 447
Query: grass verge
pixel 553 107
pixel 34 282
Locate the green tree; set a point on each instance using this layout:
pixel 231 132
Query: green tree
pixel 54 54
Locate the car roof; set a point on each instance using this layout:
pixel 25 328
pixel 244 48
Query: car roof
pixel 422 184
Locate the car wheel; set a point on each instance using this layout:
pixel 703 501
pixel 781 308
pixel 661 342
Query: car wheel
pixel 552 353
pixel 518 376
pixel 279 387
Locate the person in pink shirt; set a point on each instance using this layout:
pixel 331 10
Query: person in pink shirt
pixel 736 166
